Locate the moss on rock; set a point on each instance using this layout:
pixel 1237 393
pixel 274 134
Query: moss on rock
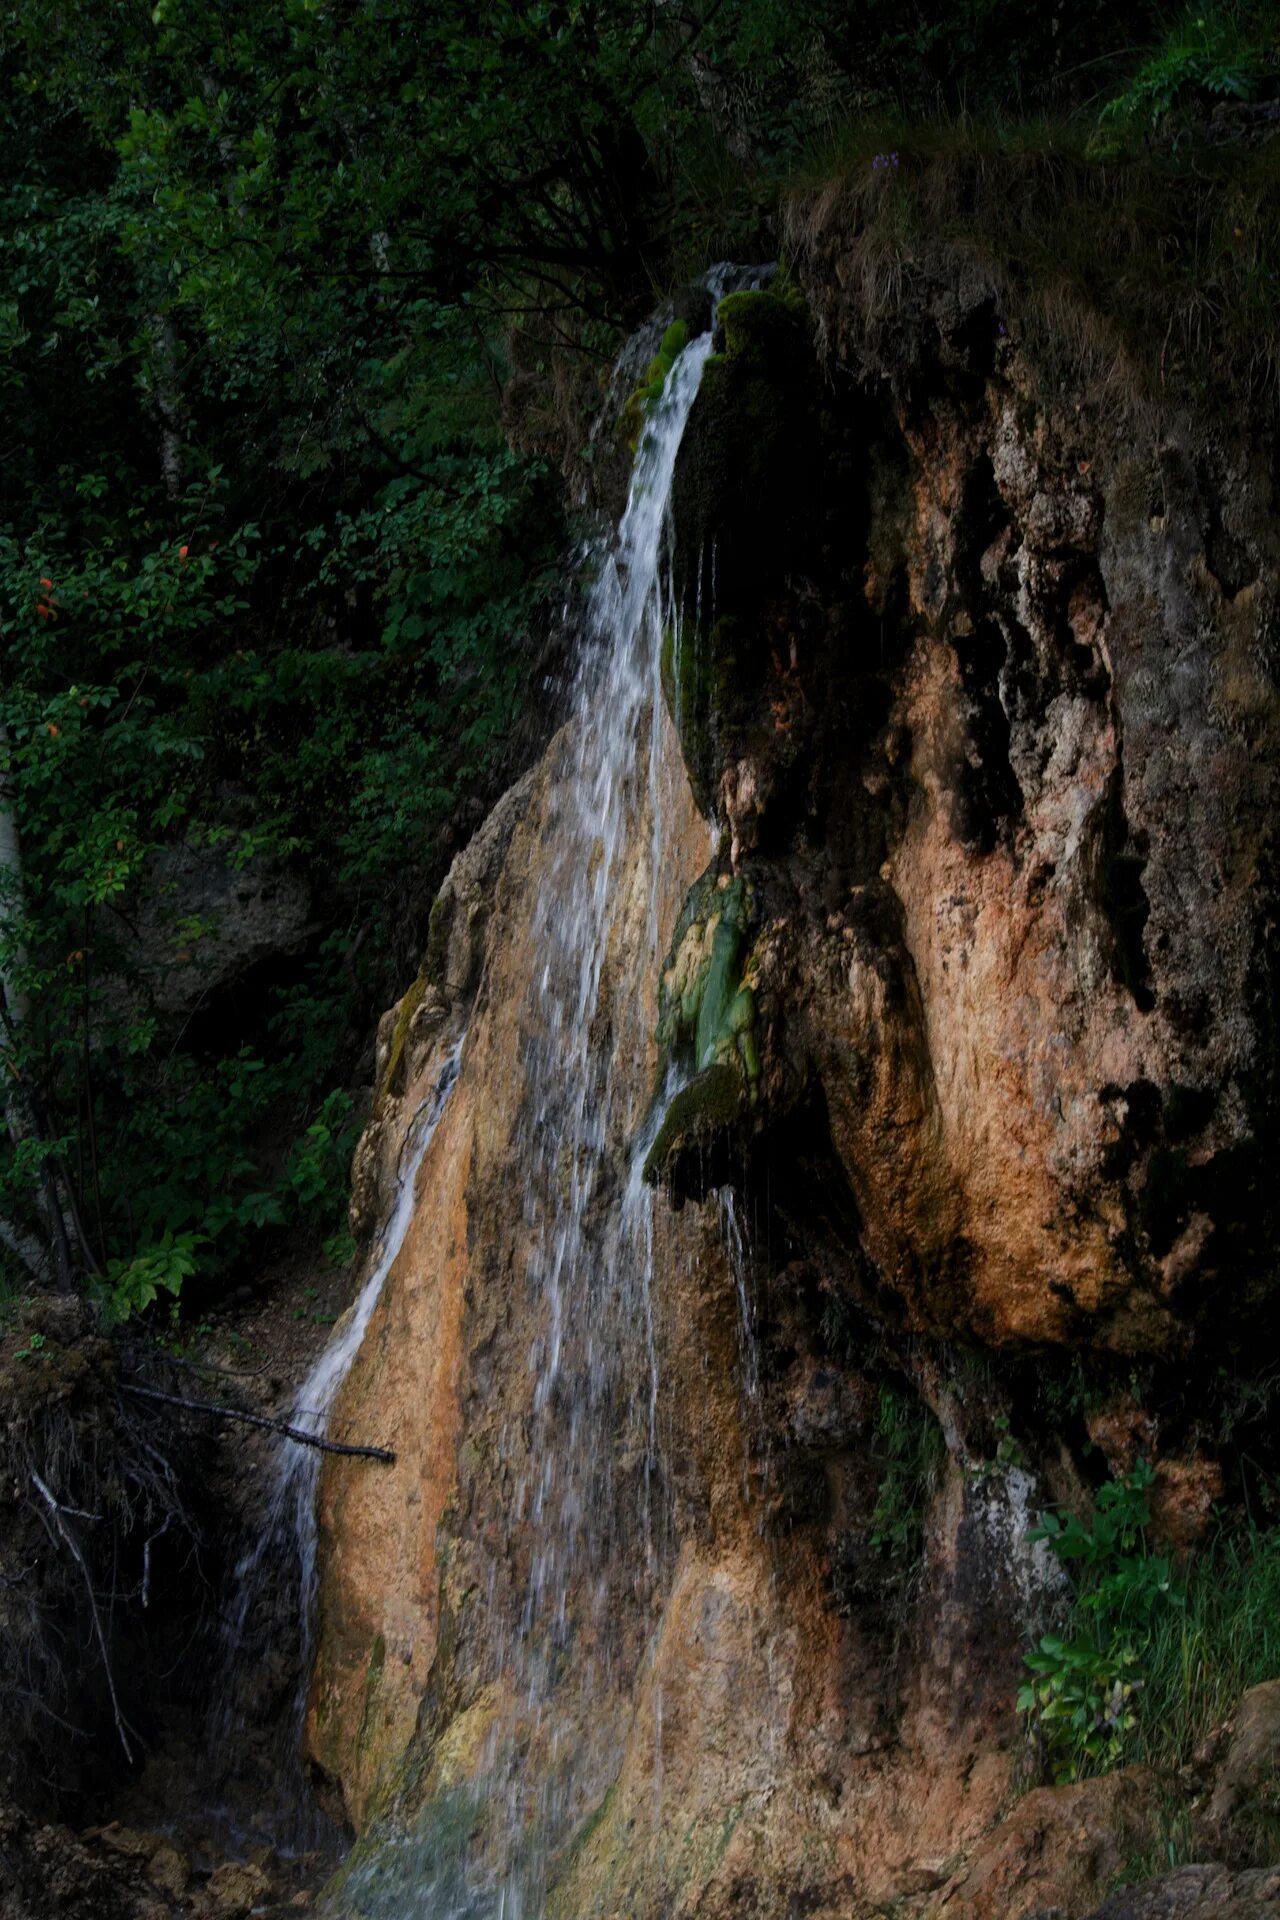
pixel 650 390
pixel 706 1006
pixel 697 1121
pixel 389 1084
pixel 707 1021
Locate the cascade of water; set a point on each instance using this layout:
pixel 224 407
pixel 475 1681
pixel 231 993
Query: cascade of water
pixel 287 1535
pixel 593 1505
pixel 592 1244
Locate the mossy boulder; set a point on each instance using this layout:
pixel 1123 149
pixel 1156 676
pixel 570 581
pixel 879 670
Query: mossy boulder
pixel 750 462
pixel 707 1022
pixel 696 1133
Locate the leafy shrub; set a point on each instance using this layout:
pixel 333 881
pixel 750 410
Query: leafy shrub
pixel 1214 51
pixel 1083 1694
pixel 318 1166
pixel 133 1285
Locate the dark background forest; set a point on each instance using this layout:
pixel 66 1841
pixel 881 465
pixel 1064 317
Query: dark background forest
pixel 306 311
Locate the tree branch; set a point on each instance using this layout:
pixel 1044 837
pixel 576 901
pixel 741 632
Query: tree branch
pixel 261 1420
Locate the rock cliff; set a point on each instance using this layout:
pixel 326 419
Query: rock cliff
pixel 964 1056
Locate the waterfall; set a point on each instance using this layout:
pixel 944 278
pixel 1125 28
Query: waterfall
pixel 288 1533
pixel 595 1511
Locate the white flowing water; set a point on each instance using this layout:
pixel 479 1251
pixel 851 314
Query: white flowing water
pixel 592 1263
pixel 596 1509
pixel 288 1537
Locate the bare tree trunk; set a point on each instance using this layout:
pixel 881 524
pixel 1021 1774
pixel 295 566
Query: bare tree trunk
pixel 166 392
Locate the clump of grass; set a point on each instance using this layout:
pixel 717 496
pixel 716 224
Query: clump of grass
pixel 1223 1640
pixel 881 1562
pixel 909 1449
pixel 1152 271
pixel 1150 1659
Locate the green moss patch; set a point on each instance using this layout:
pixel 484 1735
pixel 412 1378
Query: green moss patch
pixel 707 1022
pixel 650 390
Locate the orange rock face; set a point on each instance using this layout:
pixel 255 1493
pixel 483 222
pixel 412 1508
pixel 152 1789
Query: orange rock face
pixel 995 749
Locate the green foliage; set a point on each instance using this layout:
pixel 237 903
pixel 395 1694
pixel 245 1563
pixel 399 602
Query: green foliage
pixel 1083 1701
pixel 1083 1694
pixel 133 1285
pixel 1148 1664
pixel 318 1165
pixel 267 578
pixel 908 1449
pixel 1200 1658
pixel 1214 52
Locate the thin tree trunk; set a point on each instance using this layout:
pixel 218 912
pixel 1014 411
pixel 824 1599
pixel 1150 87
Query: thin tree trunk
pixel 167 394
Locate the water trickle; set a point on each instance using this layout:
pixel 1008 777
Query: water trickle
pixel 755 1433
pixel 593 1496
pixel 288 1534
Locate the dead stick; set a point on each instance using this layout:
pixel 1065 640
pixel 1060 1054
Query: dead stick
pixel 261 1420
pixel 122 1727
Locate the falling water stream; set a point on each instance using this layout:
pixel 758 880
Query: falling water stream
pixel 592 1498
pixel 287 1536
pixel 595 1510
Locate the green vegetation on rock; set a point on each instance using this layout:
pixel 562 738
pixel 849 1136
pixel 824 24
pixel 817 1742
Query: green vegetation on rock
pixel 707 1020
pixel 650 390
pixel 707 1005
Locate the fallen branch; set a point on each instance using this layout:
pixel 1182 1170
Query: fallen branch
pixel 261 1420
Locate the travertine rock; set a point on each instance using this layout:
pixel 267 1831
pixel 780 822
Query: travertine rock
pixel 1060 1848
pixel 995 734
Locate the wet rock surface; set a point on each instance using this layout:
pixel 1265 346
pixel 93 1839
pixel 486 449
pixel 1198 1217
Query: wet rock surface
pixel 1197 1893
pixel 975 1002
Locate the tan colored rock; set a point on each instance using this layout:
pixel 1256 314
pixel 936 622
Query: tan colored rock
pixel 1123 1432
pixel 235 1888
pixel 1197 1893
pixel 127 1841
pixel 386 1597
pixel 1059 1848
pixel 1182 1502
pixel 1242 1821
pixel 169 1870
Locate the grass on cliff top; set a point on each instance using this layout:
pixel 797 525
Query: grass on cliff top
pixel 1154 269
